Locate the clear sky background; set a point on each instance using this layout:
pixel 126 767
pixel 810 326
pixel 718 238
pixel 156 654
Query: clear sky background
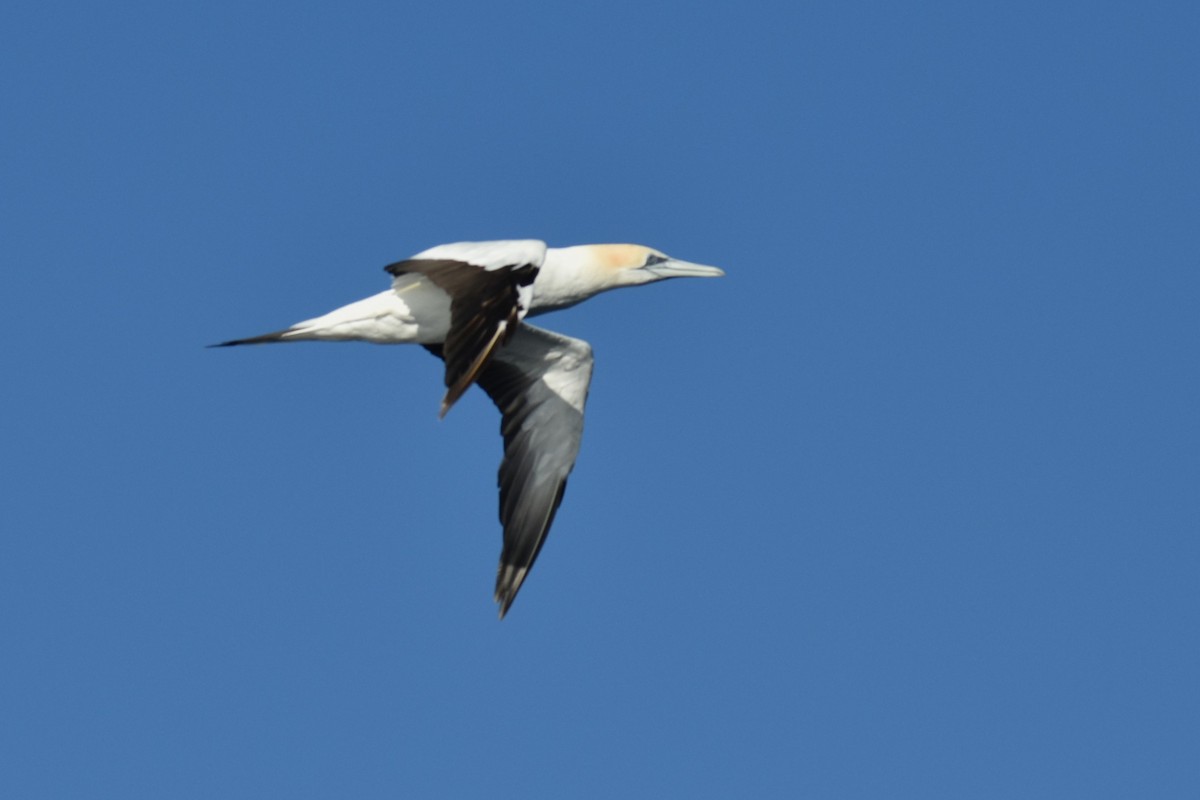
pixel 907 505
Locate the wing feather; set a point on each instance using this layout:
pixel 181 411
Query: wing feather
pixel 539 381
pixel 490 285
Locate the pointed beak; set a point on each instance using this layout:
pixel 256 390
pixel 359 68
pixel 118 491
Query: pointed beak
pixel 683 269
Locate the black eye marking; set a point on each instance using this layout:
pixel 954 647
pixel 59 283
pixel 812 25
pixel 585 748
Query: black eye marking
pixel 653 259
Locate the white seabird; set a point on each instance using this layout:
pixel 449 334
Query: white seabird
pixel 465 303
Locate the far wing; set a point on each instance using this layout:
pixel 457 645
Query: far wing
pixel 539 381
pixel 490 286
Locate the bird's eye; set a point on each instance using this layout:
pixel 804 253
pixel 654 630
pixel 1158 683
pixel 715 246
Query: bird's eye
pixel 653 259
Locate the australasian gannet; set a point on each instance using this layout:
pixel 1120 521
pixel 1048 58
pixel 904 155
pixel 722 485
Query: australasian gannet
pixel 465 303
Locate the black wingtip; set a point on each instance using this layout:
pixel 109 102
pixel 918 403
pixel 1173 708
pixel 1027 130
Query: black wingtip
pixel 452 397
pixel 509 578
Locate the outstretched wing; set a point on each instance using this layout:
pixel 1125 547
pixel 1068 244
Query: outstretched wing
pixel 490 286
pixel 539 381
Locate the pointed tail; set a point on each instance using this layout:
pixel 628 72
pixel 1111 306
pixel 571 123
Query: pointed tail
pixel 277 336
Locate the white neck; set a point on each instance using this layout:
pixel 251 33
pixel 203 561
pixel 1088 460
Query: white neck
pixel 569 275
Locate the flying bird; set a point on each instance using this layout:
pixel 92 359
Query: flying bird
pixel 466 303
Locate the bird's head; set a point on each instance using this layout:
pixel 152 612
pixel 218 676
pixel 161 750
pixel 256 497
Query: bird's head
pixel 573 274
pixel 634 264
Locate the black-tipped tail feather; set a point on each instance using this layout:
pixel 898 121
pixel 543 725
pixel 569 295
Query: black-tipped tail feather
pixel 266 338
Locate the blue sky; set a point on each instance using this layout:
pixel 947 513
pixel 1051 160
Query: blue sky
pixel 904 506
